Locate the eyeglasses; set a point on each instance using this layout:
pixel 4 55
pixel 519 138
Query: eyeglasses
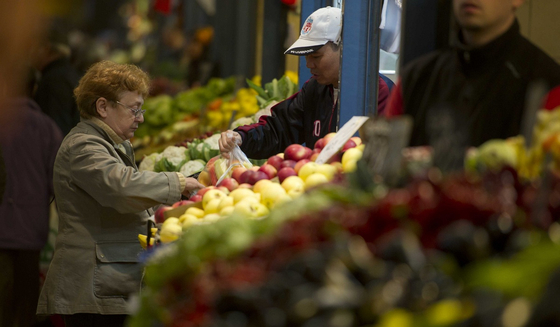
pixel 136 112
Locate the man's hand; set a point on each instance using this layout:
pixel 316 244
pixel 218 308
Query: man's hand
pixel 191 185
pixel 227 142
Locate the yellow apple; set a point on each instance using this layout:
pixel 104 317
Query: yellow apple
pixel 337 165
pixel 307 169
pixel 241 193
pixel 314 180
pixel 251 209
pixel 188 220
pixel 197 212
pixel 361 147
pixel 226 211
pixel 293 183
pixel 225 202
pixel 170 221
pixel 211 217
pixel 170 232
pixel 294 193
pixel 351 154
pixel 186 216
pixel 258 187
pixel 272 194
pixel 326 169
pixel 212 206
pixel 213 194
pixel 349 166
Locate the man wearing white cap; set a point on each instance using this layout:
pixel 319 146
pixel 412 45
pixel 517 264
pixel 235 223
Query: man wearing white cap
pixel 311 113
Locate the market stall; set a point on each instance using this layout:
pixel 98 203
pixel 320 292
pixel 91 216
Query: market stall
pixel 476 247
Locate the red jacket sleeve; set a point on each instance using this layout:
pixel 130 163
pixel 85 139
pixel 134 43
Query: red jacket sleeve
pixel 382 95
pixel 394 105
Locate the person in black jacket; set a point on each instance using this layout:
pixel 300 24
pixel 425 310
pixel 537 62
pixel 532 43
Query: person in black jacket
pixel 481 82
pixel 58 79
pixel 311 113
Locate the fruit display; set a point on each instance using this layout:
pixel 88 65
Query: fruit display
pixel 295 243
pixel 530 160
pixel 440 251
pixel 252 191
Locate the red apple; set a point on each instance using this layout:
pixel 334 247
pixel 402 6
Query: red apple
pixel 236 173
pixel 257 176
pixel 181 203
pixel 275 161
pixel 314 156
pixel 288 163
pixel 285 173
pixel 356 140
pixel 329 137
pixel 269 170
pixel 244 178
pixel 196 198
pixel 229 183
pixel 297 152
pixel 320 144
pixel 337 157
pixel 158 215
pixel 300 163
pixel 349 144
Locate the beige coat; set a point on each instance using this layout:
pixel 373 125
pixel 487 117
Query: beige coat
pixel 103 203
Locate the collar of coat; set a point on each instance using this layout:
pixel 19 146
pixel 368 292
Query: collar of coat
pixel 108 130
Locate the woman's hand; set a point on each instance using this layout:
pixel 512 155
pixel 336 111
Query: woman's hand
pixel 191 186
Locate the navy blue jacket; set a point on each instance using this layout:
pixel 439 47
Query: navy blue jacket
pixel 305 117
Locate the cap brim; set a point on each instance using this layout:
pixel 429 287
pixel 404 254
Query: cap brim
pixel 304 47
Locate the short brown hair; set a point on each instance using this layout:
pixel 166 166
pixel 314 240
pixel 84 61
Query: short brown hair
pixel 108 79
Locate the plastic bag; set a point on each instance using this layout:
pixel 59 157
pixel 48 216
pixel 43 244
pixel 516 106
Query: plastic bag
pixel 237 158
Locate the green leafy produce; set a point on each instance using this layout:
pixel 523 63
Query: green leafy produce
pixel 277 90
pixel 148 162
pixel 159 111
pixel 172 159
pixel 192 167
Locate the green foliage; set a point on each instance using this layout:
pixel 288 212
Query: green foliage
pixel 276 90
pixel 159 111
pixel 523 275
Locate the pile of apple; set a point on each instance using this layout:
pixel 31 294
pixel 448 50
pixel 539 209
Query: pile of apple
pixel 253 192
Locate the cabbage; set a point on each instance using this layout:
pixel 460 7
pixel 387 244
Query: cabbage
pixel 172 158
pixel 149 162
pixel 192 167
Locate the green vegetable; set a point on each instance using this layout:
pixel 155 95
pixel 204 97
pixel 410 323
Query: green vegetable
pixel 192 167
pixel 172 158
pixel 159 110
pixel 277 90
pixel 149 162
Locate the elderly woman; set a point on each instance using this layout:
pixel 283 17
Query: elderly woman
pixel 103 201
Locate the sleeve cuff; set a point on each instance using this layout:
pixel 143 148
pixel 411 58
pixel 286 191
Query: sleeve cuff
pixel 182 182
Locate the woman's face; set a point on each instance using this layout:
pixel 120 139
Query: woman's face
pixel 120 117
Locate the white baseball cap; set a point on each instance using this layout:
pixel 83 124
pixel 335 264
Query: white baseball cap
pixel 322 26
